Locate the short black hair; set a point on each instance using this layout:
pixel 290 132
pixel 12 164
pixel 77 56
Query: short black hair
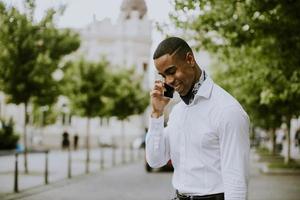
pixel 172 45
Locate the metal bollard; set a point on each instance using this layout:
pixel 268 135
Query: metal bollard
pixel 101 157
pixel 69 163
pixel 131 153
pixel 46 167
pixel 113 151
pixel 16 183
pixel 123 154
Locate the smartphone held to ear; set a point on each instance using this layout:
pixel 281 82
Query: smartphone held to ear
pixel 168 91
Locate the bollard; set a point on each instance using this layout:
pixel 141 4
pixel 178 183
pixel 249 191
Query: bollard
pixel 69 163
pixel 16 183
pixel 101 157
pixel 46 167
pixel 131 153
pixel 123 154
pixel 113 151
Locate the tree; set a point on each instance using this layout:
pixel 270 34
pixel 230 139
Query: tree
pixel 242 34
pixel 30 53
pixel 43 115
pixel 8 138
pixel 85 85
pixel 129 98
pixel 245 83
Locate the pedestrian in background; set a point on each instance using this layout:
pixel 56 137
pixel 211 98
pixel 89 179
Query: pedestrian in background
pixel 65 140
pixel 76 138
pixel 207 135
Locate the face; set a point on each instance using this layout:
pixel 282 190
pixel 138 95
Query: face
pixel 177 72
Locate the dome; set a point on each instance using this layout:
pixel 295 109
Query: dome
pixel 134 5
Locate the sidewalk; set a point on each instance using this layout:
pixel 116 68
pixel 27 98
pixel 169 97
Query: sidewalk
pixel 124 182
pixel 57 167
pixel 272 187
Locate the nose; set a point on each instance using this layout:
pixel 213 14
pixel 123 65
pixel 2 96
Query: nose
pixel 170 80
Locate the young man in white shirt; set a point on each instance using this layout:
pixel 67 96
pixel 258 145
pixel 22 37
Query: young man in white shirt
pixel 207 136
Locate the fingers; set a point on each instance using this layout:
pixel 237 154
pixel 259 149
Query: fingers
pixel 157 90
pixel 156 93
pixel 159 86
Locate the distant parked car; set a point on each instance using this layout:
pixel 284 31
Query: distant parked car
pixel 139 143
pixel 166 167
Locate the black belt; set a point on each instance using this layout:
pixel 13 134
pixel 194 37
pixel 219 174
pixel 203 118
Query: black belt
pixel 219 196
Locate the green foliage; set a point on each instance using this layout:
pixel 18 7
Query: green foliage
pixel 129 97
pixel 44 115
pixel 257 45
pixel 8 139
pixel 96 92
pixel 263 151
pixel 30 53
pixel 85 85
pixel 281 165
pixel 246 80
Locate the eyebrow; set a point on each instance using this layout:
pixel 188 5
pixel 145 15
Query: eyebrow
pixel 171 67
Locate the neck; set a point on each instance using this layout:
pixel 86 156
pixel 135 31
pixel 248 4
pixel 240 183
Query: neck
pixel 198 73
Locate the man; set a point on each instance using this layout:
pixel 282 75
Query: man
pixel 207 135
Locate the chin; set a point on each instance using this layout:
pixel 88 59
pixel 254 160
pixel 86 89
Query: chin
pixel 182 93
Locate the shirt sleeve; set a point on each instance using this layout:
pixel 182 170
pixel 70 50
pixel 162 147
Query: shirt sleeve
pixel 157 144
pixel 235 150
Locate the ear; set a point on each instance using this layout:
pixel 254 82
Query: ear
pixel 190 59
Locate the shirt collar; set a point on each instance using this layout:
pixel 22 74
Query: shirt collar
pixel 204 91
pixel 206 88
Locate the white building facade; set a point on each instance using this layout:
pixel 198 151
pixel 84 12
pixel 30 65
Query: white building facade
pixel 125 44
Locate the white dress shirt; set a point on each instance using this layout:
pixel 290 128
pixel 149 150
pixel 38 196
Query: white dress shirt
pixel 208 143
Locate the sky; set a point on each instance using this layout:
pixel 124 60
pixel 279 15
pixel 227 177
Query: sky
pixel 79 13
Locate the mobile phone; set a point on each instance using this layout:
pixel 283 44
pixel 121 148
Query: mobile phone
pixel 169 91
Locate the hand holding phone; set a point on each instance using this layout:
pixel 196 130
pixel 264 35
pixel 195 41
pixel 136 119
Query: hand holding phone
pixel 158 98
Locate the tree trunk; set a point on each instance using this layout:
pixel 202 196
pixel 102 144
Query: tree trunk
pixel 273 140
pixel 287 158
pixel 123 141
pixel 87 169
pixel 25 139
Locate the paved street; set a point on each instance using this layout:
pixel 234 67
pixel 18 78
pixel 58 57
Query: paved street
pixel 131 182
pixel 272 187
pixel 123 182
pixel 57 166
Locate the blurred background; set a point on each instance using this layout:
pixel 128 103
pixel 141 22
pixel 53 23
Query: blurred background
pixel 75 77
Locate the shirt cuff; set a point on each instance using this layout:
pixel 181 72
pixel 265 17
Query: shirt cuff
pixel 156 124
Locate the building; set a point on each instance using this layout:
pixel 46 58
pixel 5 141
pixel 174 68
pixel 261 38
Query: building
pixel 125 44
